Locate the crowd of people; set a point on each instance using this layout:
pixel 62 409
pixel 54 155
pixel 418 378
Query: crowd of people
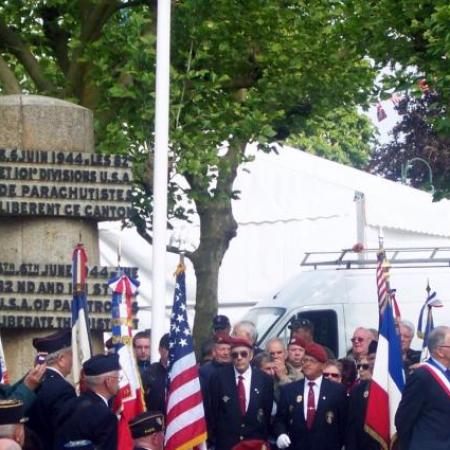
pixel 293 395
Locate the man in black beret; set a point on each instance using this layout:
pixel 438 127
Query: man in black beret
pixel 221 323
pixel 55 392
pixel 90 417
pixel 12 420
pixel 147 430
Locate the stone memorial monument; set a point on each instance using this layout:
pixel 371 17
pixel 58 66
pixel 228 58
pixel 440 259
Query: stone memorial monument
pixel 53 190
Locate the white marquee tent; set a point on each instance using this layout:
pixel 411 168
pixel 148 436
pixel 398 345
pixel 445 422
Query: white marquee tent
pixel 291 203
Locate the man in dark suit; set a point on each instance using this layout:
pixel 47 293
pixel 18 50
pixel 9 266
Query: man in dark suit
pixel 147 430
pixel 90 417
pixel 46 413
pixel 423 416
pixel 241 400
pixel 311 412
pixel 154 379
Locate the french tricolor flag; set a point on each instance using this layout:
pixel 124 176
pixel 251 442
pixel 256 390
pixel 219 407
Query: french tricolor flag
pixel 387 383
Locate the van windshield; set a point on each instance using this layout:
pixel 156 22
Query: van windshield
pixel 264 319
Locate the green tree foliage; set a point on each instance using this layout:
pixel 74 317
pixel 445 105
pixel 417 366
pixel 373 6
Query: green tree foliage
pixel 242 71
pixel 412 38
pixel 415 136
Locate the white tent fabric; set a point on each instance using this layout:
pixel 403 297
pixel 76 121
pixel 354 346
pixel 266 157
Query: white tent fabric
pixel 291 203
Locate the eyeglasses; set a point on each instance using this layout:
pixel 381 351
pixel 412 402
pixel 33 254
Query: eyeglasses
pixel 332 375
pixel 119 378
pixel 242 354
pixel 357 339
pixel 362 366
pixel 446 346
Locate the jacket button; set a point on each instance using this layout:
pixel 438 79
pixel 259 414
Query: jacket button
pixel 241 438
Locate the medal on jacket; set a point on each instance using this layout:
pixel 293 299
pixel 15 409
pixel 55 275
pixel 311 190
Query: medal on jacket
pixel 329 417
pixel 299 398
pixel 225 398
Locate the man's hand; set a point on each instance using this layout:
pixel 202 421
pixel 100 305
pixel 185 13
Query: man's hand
pixel 283 441
pixel 280 369
pixel 34 377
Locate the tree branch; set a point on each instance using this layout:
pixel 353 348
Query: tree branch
pixel 8 79
pixel 57 39
pixel 20 50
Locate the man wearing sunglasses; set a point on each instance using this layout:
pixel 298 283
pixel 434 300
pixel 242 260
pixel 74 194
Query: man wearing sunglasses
pixel 241 399
pixel 360 343
pixel 423 416
pixel 311 412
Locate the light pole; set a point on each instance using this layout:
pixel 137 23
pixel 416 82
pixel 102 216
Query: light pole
pixel 408 165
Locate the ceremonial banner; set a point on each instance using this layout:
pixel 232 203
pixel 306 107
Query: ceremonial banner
pixel 387 383
pixel 128 402
pixel 185 420
pixel 4 378
pixel 81 339
pixel 425 326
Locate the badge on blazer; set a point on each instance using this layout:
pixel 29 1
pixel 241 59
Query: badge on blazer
pixel 299 398
pixel 329 417
pixel 256 390
pixel 225 398
pixel 366 394
pixel 260 415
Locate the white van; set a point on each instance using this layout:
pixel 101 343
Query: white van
pixel 339 300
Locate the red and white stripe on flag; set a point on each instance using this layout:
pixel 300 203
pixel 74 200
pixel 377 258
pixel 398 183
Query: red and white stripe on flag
pixel 186 427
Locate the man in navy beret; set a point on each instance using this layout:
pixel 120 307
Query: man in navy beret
pixel 147 430
pixel 12 420
pixel 55 392
pixel 90 417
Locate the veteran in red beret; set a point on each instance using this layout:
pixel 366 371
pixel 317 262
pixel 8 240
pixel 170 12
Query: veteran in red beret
pixel 311 412
pixel 241 400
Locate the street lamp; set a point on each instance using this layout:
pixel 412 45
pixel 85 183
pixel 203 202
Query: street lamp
pixel 408 165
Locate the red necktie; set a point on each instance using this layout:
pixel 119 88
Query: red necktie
pixel 241 394
pixel 311 407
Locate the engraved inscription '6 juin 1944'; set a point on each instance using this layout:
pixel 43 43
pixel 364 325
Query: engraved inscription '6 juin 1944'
pixel 74 184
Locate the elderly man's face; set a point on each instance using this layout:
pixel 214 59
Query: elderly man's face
pixel 405 337
pixel 360 341
pixel 277 351
pixel 241 357
pixel 222 353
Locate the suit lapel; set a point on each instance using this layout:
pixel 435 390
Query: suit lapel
pixel 323 399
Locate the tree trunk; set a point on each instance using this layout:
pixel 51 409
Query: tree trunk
pixel 217 227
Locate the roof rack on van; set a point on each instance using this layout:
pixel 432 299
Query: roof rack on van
pixel 403 257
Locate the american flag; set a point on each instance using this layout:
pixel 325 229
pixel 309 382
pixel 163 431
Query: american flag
pixel 425 326
pixel 382 280
pixel 81 339
pixel 128 402
pixel 185 417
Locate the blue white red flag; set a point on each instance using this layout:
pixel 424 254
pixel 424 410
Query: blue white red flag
pixel 185 417
pixel 425 326
pixel 129 401
pixel 81 338
pixel 387 383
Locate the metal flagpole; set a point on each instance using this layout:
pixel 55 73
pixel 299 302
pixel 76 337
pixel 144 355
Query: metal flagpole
pixel 160 174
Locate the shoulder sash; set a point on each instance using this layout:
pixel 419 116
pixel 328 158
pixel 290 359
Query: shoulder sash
pixel 439 376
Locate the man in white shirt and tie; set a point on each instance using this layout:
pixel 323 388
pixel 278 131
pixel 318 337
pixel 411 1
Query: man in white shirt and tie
pixel 311 412
pixel 241 400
